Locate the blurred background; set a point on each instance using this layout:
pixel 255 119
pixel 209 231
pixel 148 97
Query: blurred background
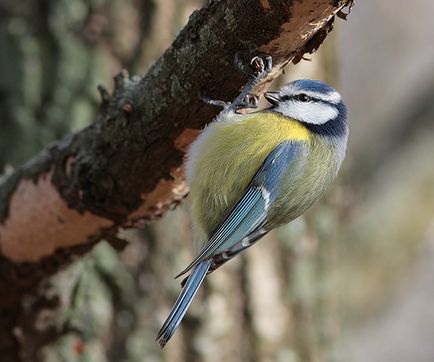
pixel 352 280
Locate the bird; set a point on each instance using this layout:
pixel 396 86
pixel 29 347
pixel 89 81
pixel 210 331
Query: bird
pixel 250 173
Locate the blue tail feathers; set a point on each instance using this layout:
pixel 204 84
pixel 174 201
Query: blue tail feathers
pixel 183 302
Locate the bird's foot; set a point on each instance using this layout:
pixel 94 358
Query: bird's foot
pixel 260 67
pixel 263 65
pixel 250 101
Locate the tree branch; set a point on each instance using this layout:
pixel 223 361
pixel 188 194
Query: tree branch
pixel 126 168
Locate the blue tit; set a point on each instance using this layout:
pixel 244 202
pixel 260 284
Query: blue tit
pixel 250 173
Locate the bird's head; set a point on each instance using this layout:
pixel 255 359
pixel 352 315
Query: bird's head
pixel 313 103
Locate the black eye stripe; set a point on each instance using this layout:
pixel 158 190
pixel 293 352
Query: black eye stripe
pixel 300 97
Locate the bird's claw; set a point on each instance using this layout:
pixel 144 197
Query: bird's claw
pixel 214 102
pixel 262 64
pixel 251 101
pixel 258 63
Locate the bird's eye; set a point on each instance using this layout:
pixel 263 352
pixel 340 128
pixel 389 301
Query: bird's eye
pixel 303 98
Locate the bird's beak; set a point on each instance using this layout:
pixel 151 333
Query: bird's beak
pixel 272 97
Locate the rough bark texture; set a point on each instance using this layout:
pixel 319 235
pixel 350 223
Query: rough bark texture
pixel 125 168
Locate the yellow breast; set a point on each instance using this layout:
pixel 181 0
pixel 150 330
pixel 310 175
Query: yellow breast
pixel 226 156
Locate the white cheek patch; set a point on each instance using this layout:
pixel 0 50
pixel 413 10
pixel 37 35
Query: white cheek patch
pixel 308 112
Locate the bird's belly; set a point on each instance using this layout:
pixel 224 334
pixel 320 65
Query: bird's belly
pixel 224 159
pixel 296 197
pixel 219 184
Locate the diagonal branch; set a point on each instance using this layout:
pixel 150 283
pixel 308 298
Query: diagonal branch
pixel 126 168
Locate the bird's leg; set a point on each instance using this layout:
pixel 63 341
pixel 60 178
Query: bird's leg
pixel 263 68
pixel 245 99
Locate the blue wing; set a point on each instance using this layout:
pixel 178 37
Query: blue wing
pixel 243 225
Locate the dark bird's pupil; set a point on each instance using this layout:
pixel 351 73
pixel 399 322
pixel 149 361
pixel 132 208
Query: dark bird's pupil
pixel 303 98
